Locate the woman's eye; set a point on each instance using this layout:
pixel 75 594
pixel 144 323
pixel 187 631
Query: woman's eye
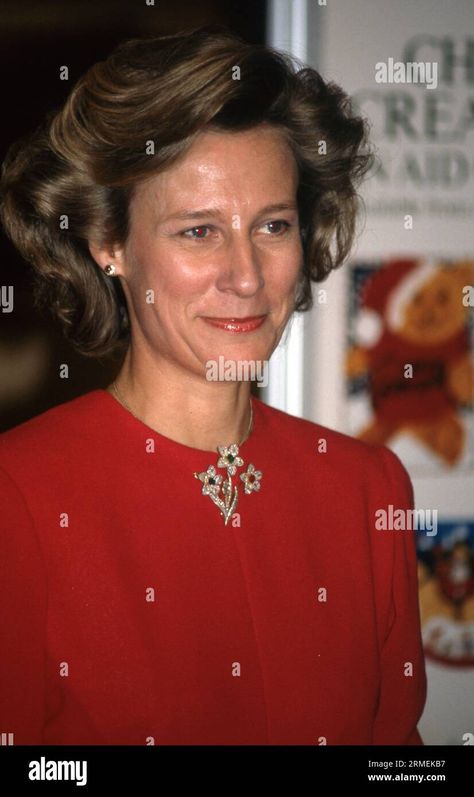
pixel 200 233
pixel 276 223
pixel 199 230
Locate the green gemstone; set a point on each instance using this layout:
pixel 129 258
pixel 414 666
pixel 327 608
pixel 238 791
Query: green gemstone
pixel 230 458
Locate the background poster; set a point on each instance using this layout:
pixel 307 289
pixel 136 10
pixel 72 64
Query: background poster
pixel 417 233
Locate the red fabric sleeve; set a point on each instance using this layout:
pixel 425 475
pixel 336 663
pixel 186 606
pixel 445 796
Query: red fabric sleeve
pixel 402 697
pixel 23 609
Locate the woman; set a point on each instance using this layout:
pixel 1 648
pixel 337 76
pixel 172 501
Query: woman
pixel 181 563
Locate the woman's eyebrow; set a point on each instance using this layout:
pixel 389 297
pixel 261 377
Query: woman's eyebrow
pixel 195 214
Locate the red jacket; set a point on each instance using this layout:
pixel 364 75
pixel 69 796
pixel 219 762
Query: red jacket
pixel 130 614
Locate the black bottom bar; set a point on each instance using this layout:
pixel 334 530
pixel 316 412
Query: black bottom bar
pixel 93 769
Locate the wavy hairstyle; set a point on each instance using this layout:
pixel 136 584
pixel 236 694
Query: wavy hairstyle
pixel 72 181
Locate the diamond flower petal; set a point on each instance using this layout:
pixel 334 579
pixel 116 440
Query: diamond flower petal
pixel 211 481
pixel 251 479
pixel 229 458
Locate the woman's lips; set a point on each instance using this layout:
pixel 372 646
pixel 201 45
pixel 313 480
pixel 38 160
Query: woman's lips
pixel 236 325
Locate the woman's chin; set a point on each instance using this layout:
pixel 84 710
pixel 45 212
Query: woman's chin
pixel 246 365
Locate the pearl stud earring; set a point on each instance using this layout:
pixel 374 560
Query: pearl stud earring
pixel 110 270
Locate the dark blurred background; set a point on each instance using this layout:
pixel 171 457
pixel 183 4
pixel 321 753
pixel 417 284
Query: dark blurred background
pixel 36 38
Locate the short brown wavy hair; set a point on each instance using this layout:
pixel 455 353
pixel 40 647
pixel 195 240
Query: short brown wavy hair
pixel 82 165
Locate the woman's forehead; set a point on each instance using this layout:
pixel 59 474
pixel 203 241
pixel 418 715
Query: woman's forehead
pixel 217 160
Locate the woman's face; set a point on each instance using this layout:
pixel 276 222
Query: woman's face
pixel 212 249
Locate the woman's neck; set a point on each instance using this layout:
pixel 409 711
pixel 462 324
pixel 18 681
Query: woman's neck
pixel 184 406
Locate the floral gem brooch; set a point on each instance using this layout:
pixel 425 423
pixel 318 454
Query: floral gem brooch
pixel 222 492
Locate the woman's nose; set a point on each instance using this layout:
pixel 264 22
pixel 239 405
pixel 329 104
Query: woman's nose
pixel 241 267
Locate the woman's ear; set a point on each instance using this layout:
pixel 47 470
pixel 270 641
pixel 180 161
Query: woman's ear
pixel 107 255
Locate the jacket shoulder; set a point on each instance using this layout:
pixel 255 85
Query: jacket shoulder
pixel 50 431
pixel 343 456
pixel 300 431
